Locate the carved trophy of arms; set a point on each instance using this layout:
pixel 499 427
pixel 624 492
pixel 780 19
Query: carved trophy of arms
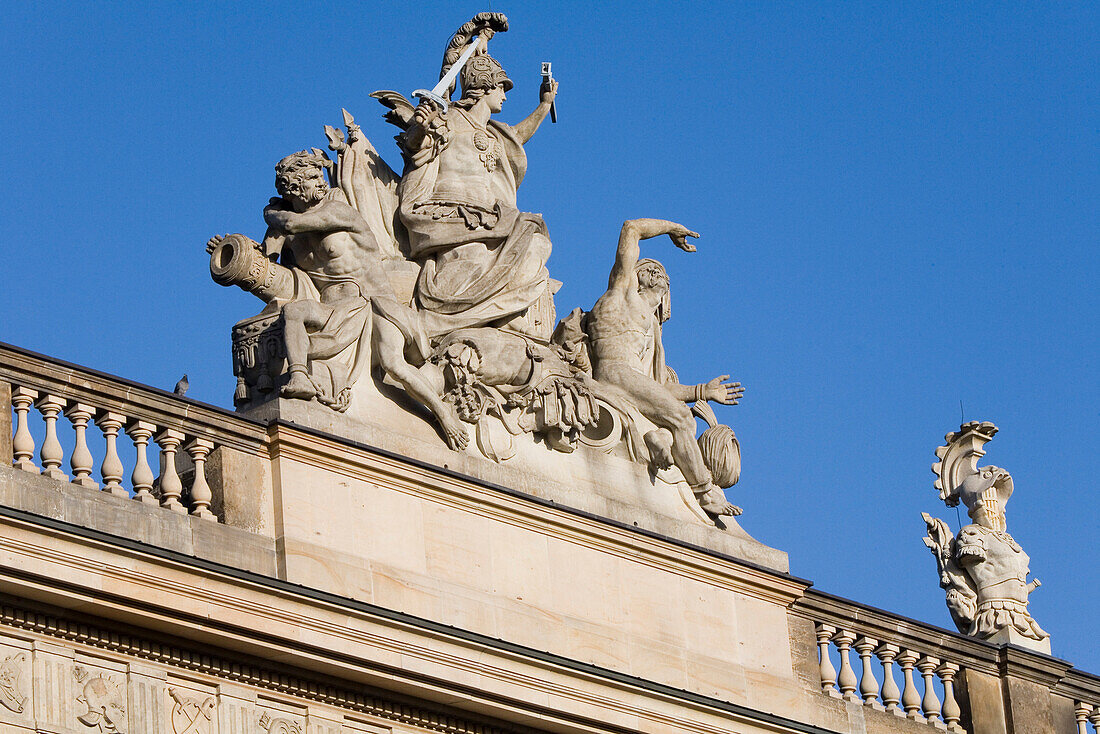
pixel 982 568
pixel 962 594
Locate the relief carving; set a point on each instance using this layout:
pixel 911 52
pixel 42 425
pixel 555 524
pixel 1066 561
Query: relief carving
pixel 11 674
pixel 279 726
pixel 191 715
pixel 104 701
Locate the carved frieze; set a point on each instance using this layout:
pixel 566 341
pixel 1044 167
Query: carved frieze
pixel 103 701
pixel 273 725
pixel 191 715
pixel 12 695
pixel 87 697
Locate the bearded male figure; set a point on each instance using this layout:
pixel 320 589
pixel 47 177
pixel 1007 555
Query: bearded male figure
pixel 345 313
pixel 624 330
pixel 483 260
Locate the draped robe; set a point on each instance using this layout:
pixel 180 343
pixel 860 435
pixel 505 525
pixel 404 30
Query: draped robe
pixel 483 261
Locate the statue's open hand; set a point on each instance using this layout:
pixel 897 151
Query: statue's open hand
pixel 548 91
pixel 679 234
pixel 214 241
pixel 720 390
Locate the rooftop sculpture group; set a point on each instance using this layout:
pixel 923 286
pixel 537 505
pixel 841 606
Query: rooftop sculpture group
pixel 435 277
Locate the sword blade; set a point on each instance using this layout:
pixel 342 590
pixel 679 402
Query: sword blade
pixel 448 78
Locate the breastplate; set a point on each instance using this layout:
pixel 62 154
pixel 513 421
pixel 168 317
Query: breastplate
pixel 466 168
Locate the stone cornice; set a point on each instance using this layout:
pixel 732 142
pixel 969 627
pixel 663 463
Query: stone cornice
pixel 400 474
pixel 1080 686
pixel 227 609
pixel 1016 662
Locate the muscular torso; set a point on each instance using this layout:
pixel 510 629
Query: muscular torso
pixel 621 328
pixel 342 264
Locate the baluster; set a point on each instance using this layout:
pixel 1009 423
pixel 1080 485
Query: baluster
pixel 112 469
pixel 200 491
pixel 847 678
pixel 825 666
pixel 142 476
pixel 1081 712
pixel 868 684
pixel 51 454
pixel 1094 719
pixel 81 460
pixel 22 443
pixel 170 486
pixel 891 695
pixel 951 711
pixel 910 699
pixel 931 702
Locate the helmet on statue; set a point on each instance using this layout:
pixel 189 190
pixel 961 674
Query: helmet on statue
pixel 483 72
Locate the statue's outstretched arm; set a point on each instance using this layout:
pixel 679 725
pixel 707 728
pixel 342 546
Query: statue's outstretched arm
pixel 718 390
pixel 547 92
pixel 329 217
pixel 628 252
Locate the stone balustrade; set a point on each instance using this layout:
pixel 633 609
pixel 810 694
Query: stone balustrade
pixel 1086 714
pixel 880 664
pixel 952 682
pixel 155 445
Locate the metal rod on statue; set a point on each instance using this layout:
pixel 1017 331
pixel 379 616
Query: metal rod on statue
pixel 547 77
pixel 437 92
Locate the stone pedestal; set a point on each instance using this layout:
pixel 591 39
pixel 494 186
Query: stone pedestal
pixel 457 550
pixel 1010 636
pixel 605 483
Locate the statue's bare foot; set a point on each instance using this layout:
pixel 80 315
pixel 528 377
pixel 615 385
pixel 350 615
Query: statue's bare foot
pixel 714 503
pixel 299 386
pixel 659 443
pixel 457 438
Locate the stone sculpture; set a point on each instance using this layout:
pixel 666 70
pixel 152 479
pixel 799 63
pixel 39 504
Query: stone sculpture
pixel 342 310
pixel 982 569
pixel 437 278
pixel 483 260
pixel 624 330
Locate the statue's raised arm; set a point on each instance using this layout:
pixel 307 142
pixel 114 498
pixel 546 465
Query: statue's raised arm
pixel 628 251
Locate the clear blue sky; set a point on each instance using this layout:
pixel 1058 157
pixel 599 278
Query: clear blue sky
pixel 898 202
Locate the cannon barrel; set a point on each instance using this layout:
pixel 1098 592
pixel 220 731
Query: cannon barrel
pixel 236 260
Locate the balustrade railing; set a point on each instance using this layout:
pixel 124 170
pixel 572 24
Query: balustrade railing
pixel 875 685
pixel 917 671
pixel 138 427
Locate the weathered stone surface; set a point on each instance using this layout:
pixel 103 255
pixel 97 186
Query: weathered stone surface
pixel 982 569
pixel 443 548
pixel 987 713
pixel 6 428
pixel 241 485
pixel 592 481
pixel 126 518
